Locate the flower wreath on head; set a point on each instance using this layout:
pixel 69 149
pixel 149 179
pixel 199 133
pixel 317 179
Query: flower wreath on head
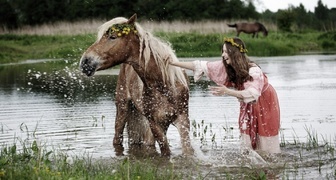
pixel 122 29
pixel 239 46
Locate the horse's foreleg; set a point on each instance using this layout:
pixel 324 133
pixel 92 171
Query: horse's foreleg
pixel 160 137
pixel 238 32
pixel 119 126
pixel 182 124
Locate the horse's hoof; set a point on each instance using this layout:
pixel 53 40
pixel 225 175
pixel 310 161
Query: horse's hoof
pixel 165 154
pixel 189 153
pixel 119 150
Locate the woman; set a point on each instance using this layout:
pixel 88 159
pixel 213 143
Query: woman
pixel 236 75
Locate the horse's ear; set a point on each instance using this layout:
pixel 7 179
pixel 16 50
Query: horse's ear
pixel 132 19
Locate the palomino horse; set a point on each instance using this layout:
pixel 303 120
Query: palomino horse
pixel 249 28
pixel 150 93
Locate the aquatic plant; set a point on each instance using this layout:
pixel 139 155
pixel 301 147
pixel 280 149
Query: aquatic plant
pixel 200 130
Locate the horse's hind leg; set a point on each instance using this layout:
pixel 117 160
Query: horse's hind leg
pixel 183 126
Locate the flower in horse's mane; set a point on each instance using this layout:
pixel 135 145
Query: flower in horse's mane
pixel 122 29
pixel 239 46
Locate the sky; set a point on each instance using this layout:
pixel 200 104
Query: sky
pixel 274 5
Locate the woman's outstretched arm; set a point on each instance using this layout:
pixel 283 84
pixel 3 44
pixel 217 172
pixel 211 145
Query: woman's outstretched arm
pixel 187 65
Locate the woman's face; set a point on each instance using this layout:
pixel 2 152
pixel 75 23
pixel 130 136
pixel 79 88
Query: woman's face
pixel 225 55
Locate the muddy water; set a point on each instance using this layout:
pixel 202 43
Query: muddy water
pixel 50 101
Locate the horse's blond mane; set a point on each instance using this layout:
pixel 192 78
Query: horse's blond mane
pixel 161 51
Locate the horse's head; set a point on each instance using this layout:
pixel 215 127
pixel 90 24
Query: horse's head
pixel 263 29
pixel 115 43
pixel 265 32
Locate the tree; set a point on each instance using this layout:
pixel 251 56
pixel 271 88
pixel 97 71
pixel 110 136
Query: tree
pixel 302 19
pixel 322 15
pixel 321 11
pixel 34 12
pixel 8 16
pixel 285 18
pixel 251 11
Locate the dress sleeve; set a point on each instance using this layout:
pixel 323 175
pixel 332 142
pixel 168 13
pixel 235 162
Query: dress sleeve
pixel 200 69
pixel 214 70
pixel 252 89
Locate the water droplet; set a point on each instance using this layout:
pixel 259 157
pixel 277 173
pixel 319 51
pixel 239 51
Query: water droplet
pixel 37 76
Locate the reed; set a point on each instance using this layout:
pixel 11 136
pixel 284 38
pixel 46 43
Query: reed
pixel 90 26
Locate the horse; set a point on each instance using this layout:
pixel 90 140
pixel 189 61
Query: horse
pixel 150 94
pixel 249 28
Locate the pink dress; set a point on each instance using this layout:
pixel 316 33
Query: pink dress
pixel 259 118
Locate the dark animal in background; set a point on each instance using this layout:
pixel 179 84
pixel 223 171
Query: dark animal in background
pixel 150 94
pixel 250 28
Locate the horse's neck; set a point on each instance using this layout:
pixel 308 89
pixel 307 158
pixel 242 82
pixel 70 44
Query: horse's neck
pixel 150 74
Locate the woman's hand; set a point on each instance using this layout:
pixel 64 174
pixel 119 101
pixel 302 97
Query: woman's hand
pixel 218 90
pixel 223 90
pixel 169 60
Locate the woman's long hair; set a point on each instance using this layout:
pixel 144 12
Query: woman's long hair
pixel 238 70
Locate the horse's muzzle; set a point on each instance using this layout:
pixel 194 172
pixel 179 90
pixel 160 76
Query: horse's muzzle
pixel 88 66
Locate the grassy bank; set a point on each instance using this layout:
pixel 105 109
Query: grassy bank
pixel 33 162
pixel 31 159
pixel 14 48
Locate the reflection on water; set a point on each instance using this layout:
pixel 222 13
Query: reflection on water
pixel 55 104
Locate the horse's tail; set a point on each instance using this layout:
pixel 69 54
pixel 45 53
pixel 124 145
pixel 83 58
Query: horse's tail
pixel 263 28
pixel 232 25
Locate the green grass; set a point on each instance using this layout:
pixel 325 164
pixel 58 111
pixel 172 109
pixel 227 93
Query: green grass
pixel 31 159
pixel 276 44
pixel 15 48
pixel 34 162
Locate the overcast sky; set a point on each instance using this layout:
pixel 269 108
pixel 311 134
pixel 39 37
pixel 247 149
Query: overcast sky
pixel 274 5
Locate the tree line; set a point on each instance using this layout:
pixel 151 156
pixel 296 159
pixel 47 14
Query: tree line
pixel 16 13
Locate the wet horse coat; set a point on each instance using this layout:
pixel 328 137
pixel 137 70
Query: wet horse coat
pixel 150 93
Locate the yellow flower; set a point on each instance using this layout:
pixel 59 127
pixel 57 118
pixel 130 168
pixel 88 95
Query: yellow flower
pixel 2 173
pixel 36 170
pixel 47 169
pixel 122 29
pixel 239 46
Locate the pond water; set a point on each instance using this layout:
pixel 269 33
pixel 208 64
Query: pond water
pixel 53 103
